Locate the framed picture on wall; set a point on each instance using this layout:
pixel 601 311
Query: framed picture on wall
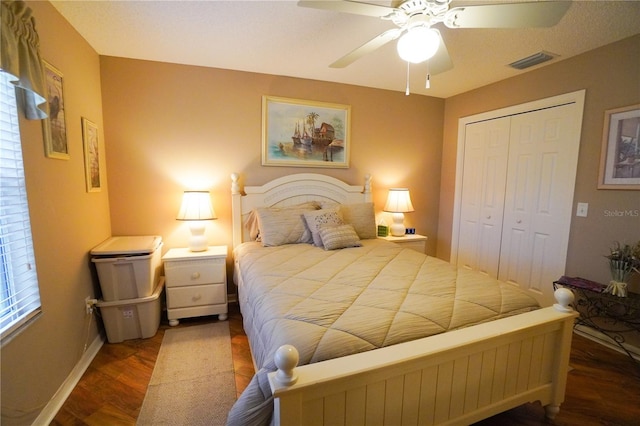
pixel 54 127
pixel 620 156
pixel 299 133
pixel 91 155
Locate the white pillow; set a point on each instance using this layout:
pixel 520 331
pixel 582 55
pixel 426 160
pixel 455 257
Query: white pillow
pixel 284 225
pixel 339 236
pixel 362 217
pixel 319 218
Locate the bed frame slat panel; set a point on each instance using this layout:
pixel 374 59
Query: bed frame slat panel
pixel 374 413
pixel 525 366
pixel 334 409
pixel 459 386
pixel 500 375
pixel 474 374
pixel 411 397
pixel 394 398
pixel 428 395
pixel 356 404
pixel 443 392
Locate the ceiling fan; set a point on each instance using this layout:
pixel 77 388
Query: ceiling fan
pixel 419 41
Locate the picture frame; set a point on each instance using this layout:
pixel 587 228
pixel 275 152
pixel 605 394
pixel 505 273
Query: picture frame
pixel 303 133
pixel 620 152
pixel 54 126
pixel 91 148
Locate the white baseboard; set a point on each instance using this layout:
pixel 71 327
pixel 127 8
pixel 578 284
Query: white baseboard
pixel 596 336
pixel 53 406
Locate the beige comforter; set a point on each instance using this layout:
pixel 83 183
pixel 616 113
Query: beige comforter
pixel 333 303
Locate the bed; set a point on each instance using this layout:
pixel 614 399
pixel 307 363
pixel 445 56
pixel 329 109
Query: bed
pixel 345 328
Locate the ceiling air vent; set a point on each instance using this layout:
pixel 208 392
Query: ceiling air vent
pixel 529 61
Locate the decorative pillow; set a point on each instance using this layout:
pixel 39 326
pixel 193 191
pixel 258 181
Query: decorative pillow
pixel 362 217
pixel 319 218
pixel 284 225
pixel 339 236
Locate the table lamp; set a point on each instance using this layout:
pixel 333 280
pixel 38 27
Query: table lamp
pixel 196 208
pixel 398 203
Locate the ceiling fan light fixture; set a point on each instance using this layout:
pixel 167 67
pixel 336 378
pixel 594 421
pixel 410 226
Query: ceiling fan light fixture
pixel 418 44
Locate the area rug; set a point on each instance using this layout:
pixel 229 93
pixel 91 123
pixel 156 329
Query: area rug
pixel 192 382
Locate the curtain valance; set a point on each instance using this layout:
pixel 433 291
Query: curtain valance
pixel 20 56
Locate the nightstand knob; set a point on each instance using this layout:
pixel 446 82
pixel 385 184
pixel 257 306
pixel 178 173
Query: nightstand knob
pixel 196 297
pixel 195 275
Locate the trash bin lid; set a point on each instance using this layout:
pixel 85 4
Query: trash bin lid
pixel 127 245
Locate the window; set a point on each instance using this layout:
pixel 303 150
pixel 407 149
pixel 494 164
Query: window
pixel 19 293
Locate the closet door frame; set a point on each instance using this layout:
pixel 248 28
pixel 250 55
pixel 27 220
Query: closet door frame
pixel 576 97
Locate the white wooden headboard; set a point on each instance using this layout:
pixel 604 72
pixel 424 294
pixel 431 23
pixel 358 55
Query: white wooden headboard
pixel 289 190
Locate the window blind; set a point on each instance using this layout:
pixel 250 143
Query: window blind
pixel 19 292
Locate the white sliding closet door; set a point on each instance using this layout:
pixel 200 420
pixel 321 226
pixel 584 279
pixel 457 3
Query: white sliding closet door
pixel 483 192
pixel 539 199
pixel 516 195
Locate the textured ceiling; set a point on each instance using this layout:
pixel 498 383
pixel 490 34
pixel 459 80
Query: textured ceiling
pixel 281 38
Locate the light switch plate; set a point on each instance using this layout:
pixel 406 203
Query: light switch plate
pixel 582 209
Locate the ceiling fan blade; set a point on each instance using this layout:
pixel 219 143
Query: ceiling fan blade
pixel 368 47
pixel 441 61
pixel 347 6
pixel 511 15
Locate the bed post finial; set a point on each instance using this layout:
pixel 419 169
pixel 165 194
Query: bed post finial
pixel 565 297
pixel 367 184
pixel 286 359
pixel 235 186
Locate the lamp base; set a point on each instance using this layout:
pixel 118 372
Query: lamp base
pixel 197 242
pixel 397 227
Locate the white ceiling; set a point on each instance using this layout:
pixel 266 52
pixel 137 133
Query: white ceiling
pixel 281 38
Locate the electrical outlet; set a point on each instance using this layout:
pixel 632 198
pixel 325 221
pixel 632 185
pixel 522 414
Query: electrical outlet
pixel 88 305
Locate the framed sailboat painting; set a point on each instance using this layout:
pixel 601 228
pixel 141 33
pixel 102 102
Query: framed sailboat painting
pixel 300 133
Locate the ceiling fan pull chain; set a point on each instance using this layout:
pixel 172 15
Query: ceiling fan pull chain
pixel 428 83
pixel 407 90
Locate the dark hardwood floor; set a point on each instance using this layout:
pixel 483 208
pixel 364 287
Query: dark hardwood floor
pixel 603 386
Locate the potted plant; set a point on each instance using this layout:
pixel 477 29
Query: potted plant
pixel 624 260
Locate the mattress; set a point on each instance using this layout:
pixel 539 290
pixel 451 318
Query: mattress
pixel 335 303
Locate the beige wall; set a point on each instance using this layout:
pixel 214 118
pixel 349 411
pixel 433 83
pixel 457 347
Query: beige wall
pixel 611 77
pixel 171 127
pixel 66 223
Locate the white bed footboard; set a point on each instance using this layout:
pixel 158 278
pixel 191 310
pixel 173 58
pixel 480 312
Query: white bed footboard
pixel 458 377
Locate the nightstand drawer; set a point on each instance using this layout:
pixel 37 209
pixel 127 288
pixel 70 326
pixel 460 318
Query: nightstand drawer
pixel 182 297
pixel 194 272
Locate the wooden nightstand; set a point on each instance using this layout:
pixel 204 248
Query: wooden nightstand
pixel 413 241
pixel 196 283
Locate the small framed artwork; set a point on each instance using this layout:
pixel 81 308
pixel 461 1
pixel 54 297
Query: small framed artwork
pixel 91 155
pixel 299 133
pixel 54 127
pixel 620 156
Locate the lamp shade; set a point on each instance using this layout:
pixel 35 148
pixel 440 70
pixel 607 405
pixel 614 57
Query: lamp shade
pixel 418 44
pixel 398 201
pixel 196 205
